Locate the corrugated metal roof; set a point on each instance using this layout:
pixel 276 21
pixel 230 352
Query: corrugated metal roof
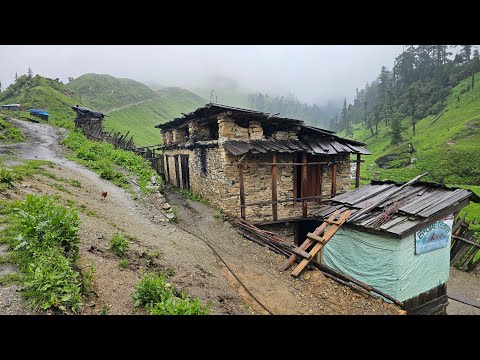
pixel 311 146
pixel 413 207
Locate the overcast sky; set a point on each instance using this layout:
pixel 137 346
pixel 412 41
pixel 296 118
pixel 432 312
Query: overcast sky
pixel 312 73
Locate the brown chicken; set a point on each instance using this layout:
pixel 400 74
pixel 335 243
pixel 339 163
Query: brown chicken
pixel 104 195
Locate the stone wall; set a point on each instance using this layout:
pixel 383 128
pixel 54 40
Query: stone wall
pixel 229 130
pixel 343 174
pixel 180 135
pixel 200 132
pixel 214 175
pixel 285 135
pixel 205 168
pixel 167 137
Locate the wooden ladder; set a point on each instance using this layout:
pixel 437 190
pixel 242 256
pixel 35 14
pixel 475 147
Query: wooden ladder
pixel 315 237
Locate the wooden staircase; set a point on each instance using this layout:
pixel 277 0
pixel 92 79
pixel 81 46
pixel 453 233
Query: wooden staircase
pixel 335 221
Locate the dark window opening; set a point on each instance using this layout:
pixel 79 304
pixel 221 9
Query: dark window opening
pixel 185 172
pixel 203 162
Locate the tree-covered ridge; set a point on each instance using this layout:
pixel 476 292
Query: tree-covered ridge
pixel 290 106
pixel 417 86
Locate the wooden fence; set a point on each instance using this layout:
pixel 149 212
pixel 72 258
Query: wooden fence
pixel 465 248
pixel 93 130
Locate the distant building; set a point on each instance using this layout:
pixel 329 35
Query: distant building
pixel 14 107
pixel 39 113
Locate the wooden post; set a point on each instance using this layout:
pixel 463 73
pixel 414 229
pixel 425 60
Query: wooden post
pixel 319 182
pixel 334 178
pixel 274 187
pixel 357 172
pixel 294 182
pixel 242 191
pixel 304 183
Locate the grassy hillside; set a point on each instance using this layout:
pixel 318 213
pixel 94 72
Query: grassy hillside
pixel 44 93
pixel 105 92
pixel 140 119
pixel 447 146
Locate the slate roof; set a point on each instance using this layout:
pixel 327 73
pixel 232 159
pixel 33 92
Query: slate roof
pixel 413 208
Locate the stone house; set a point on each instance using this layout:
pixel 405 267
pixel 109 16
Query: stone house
pixel 263 168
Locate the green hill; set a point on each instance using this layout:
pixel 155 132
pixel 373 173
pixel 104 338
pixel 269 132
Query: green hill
pixel 447 146
pixel 104 92
pixel 140 119
pixel 44 93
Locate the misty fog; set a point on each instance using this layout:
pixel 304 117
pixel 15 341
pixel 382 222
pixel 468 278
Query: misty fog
pixel 314 74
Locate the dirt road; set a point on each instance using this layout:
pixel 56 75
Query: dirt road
pixel 467 286
pixel 164 246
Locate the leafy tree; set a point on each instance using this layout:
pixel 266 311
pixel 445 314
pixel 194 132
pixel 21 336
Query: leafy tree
pixel 396 126
pixel 70 79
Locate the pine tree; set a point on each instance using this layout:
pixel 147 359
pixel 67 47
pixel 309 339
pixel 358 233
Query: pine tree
pixel 16 77
pixel 30 72
pixel 0 87
pixel 396 126
pixel 344 115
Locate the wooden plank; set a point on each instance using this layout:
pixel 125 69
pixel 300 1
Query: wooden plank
pixel 280 221
pixel 357 172
pixel 316 238
pixel 274 187
pixel 305 245
pixel 319 182
pixel 334 178
pixel 304 184
pixel 242 191
pixel 301 253
pixel 327 236
pixel 295 175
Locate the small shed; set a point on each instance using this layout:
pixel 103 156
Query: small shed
pixel 14 107
pixel 39 113
pixel 400 246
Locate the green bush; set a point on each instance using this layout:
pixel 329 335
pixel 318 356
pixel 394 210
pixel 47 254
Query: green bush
pixel 6 178
pixel 47 233
pixel 158 297
pixel 46 224
pixel 119 244
pixel 51 281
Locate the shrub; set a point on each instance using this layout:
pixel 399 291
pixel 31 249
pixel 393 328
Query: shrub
pixel 119 244
pixel 51 282
pixel 158 297
pixel 6 178
pixel 45 224
pixel 124 263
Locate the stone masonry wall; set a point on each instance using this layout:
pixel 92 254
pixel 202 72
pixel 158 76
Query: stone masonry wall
pixel 200 132
pixel 228 129
pixel 167 137
pixel 206 180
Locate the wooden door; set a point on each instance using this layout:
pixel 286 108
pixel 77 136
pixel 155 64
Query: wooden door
pixel 168 168
pixel 185 172
pixel 177 171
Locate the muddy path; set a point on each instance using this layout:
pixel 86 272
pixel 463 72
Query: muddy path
pixel 465 285
pixel 158 245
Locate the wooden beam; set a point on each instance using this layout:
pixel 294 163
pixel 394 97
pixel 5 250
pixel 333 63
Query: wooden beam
pixel 274 187
pixel 334 178
pixel 304 184
pixel 295 174
pixel 319 183
pixel 242 191
pixel 280 221
pixel 301 164
pixel 357 172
